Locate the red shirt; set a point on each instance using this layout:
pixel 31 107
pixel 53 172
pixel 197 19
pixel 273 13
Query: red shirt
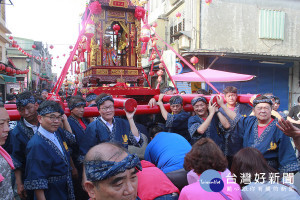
pixel 153 182
pixel 262 128
pixel 231 108
pixel 82 124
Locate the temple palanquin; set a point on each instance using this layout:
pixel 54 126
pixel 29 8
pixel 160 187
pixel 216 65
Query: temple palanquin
pixel 115 56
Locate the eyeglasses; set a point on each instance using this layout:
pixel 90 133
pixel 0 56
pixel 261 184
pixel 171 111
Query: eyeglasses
pixel 107 108
pixel 54 118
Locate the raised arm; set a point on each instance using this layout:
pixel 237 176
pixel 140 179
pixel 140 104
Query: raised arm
pixel 231 114
pixel 132 125
pixel 212 110
pixel 163 111
pixel 225 123
pixel 66 123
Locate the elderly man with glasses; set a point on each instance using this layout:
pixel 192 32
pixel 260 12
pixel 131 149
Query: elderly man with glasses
pixel 48 168
pixel 107 128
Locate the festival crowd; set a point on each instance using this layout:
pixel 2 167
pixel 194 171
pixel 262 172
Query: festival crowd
pixel 222 150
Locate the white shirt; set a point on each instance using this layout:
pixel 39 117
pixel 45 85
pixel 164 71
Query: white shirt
pixel 51 137
pixel 110 126
pixel 33 127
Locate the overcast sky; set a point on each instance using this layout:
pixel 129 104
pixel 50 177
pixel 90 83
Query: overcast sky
pixel 49 21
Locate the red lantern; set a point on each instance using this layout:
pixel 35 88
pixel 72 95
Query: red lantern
pixel 51 46
pixel 13 71
pixel 139 12
pixel 145 37
pixel 208 1
pixel 151 73
pixel 18 71
pixel 178 15
pixel 194 60
pixel 11 37
pixel 76 81
pixel 116 28
pixel 154 24
pixel 71 47
pixel 8 69
pixel 89 33
pixel 95 8
pixel 33 46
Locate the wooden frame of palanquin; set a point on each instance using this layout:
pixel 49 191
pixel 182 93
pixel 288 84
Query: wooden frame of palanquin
pixel 121 11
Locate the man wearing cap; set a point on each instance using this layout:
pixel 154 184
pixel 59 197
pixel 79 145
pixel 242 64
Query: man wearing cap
pixel 21 134
pixel 177 121
pixel 107 128
pixel 206 122
pixel 44 94
pixel 90 100
pixel 276 107
pixel 48 169
pixel 260 132
pixel 78 125
pixel 111 173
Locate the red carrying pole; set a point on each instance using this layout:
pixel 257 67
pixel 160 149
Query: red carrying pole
pixel 93 111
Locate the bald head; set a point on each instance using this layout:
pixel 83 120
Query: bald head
pixel 106 152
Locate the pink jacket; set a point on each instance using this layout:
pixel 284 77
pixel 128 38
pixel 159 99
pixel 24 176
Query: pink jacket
pixel 153 182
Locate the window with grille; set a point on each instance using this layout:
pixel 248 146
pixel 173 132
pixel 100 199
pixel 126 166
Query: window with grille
pixel 180 26
pixel 271 24
pixel 175 29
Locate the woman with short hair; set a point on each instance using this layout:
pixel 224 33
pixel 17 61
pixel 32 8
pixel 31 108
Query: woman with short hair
pixel 206 155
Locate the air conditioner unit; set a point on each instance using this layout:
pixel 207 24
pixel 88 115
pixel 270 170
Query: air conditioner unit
pixel 184 42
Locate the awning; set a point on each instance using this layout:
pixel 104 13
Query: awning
pixel 6 78
pixel 212 75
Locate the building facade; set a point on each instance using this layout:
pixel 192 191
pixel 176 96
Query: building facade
pixel 3 42
pixel 38 68
pixel 249 36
